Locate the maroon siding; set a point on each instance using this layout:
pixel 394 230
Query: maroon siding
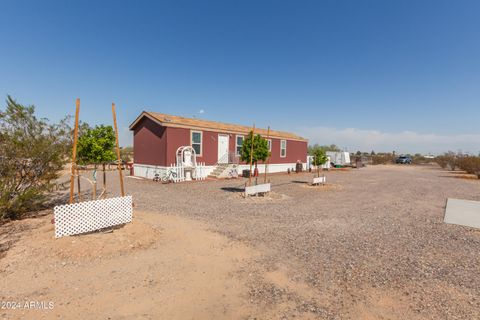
pixel 150 143
pixel 177 137
pixel 296 150
pixel 157 145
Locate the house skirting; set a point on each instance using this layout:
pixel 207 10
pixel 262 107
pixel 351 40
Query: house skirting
pixel 272 167
pixel 149 171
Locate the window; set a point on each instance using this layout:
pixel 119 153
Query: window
pixel 269 143
pixel 238 144
pixel 283 148
pixel 196 141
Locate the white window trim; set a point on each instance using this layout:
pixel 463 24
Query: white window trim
pixel 201 141
pixel 270 148
pixel 284 156
pixel 236 143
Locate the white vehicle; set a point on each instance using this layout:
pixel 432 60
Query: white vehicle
pixel 339 158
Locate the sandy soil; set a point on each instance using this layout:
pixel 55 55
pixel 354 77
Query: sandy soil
pixel 371 244
pixel 158 267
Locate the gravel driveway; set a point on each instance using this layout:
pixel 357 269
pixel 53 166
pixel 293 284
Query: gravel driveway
pixel 370 244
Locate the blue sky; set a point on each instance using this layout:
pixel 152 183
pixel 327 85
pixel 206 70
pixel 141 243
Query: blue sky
pixel 383 75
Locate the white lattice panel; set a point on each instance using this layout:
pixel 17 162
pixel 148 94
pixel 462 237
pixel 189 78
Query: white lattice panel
pixel 93 215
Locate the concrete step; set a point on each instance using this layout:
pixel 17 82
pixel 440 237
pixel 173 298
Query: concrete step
pixel 221 170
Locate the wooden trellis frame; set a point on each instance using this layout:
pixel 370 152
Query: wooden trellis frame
pixel 74 167
pixel 87 216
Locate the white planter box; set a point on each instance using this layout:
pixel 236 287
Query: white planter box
pixel 259 188
pixel 93 215
pixel 319 180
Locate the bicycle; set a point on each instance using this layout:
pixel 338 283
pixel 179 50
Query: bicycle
pixel 233 173
pixel 168 176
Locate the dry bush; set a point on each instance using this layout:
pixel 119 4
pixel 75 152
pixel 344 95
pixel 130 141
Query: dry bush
pixel 470 164
pixel 32 154
pixel 448 160
pixel 383 158
pixel 442 161
pixel 419 159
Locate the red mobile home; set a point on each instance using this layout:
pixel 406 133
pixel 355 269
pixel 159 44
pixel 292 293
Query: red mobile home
pixel 158 136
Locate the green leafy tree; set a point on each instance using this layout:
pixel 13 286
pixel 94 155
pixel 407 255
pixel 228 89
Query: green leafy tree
pixel 332 147
pixel 319 159
pixel 32 153
pixel 96 145
pixel 260 149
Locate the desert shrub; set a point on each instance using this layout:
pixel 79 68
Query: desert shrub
pixel 451 159
pixel 383 158
pixel 419 159
pixel 32 153
pixel 442 161
pixel 470 164
pixel 126 154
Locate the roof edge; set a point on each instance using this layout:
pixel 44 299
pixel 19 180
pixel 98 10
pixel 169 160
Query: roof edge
pixel 199 127
pixel 140 116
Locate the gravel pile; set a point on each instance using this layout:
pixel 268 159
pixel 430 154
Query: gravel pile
pixel 374 245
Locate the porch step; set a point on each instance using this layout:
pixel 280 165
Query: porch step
pixel 222 170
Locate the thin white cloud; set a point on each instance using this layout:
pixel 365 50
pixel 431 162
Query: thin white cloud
pixel 201 111
pixel 403 142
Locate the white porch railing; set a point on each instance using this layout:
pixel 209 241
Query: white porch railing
pixel 177 173
pixel 228 158
pixel 200 172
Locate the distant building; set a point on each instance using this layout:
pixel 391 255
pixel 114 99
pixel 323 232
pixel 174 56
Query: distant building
pixel 157 136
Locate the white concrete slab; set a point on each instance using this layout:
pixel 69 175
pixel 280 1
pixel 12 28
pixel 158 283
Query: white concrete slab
pixel 463 212
pixel 318 180
pixel 259 188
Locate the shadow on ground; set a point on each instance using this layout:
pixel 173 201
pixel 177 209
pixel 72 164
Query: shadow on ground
pixel 233 189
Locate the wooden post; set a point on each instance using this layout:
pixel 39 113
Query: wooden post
pixel 74 151
pixel 318 167
pixel 104 181
pixel 78 184
pixel 94 184
pixel 94 193
pixel 119 161
pixel 268 157
pixel 251 156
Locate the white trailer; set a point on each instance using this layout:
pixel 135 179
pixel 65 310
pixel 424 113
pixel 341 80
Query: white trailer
pixel 325 166
pixel 339 158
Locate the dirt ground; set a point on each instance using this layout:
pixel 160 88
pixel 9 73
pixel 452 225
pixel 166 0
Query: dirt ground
pixel 158 267
pixel 370 244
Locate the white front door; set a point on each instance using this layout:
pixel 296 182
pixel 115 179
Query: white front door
pixel 223 148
